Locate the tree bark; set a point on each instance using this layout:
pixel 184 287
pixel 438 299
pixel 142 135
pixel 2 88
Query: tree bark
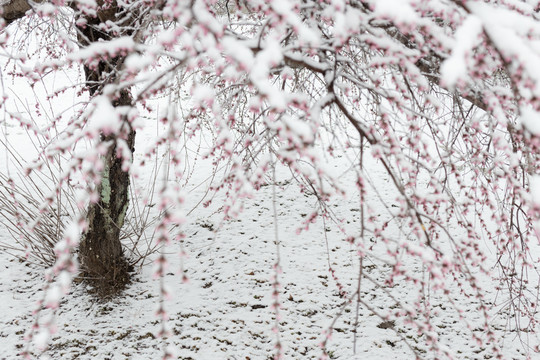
pixel 103 262
pixel 15 9
pixel 102 259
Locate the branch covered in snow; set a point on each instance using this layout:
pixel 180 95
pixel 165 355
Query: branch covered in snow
pixel 440 99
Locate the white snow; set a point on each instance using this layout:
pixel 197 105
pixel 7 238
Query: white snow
pixel 509 30
pixel 42 338
pixel 535 189
pixel 400 10
pixel 455 68
pixel 238 51
pixel 46 9
pixel 104 118
pixel 530 120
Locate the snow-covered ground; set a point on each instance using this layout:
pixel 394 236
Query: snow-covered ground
pixel 225 310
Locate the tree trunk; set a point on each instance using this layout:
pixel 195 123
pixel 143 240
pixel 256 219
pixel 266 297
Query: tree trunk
pixel 15 9
pixel 101 254
pixel 102 259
